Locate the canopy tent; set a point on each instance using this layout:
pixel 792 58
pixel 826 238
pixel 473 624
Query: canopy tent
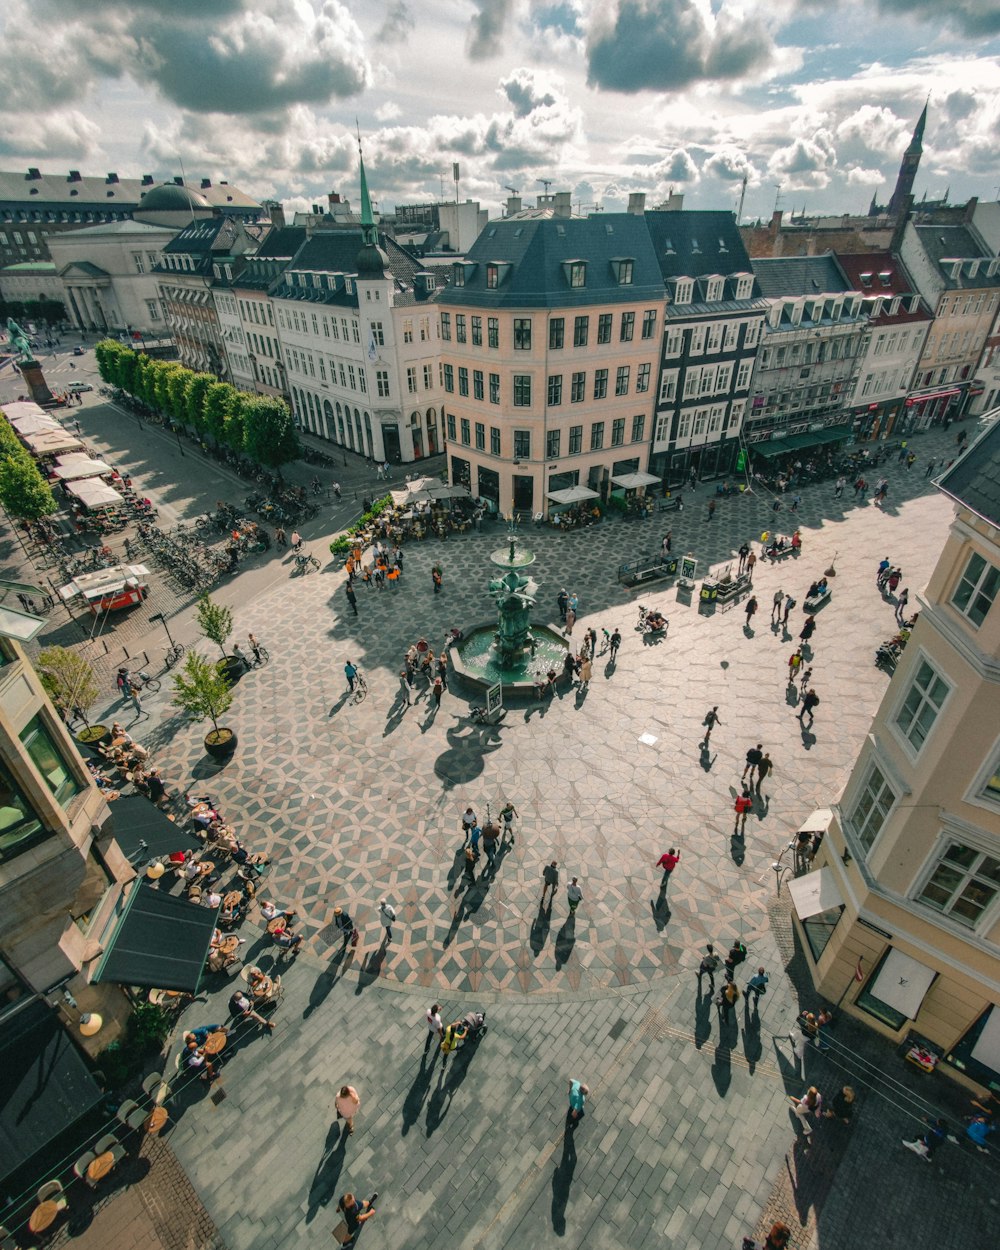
pixel 987 1049
pixel 632 481
pixel 902 983
pixel 422 483
pixel 161 942
pixel 815 892
pixel 76 468
pixel 106 583
pixel 35 423
pixel 51 443
pixel 572 494
pixel 444 491
pixel 22 408
pixel 400 497
pixel 94 493
pixel 144 833
pixel 817 822
pixel 45 1086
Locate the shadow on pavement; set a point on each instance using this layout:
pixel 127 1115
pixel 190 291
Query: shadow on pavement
pixel 565 941
pixel 540 929
pixel 562 1181
pixel 324 1181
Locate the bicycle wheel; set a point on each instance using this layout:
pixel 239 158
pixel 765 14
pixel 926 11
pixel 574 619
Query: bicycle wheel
pixel 152 684
pixel 263 653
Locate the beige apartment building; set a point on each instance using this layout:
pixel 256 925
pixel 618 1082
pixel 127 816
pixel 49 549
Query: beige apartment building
pixel 905 890
pixel 551 332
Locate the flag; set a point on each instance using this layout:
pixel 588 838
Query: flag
pixel 372 349
pixel 858 971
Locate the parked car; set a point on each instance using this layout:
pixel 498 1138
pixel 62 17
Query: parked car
pixel 79 387
pixel 79 351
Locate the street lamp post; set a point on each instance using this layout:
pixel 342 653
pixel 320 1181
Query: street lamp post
pixel 158 616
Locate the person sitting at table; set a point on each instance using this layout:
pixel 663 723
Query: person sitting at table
pixel 232 905
pixel 201 1033
pixel 271 911
pixel 260 985
pixel 197 1061
pixel 247 859
pixel 241 1007
pixel 286 939
pixel 213 898
pixel 119 735
pixel 192 869
pixel 155 789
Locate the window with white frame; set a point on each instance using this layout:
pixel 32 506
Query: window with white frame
pixel 723 376
pixel 411 380
pixel 736 410
pixel 714 337
pixel 662 429
pixel 752 336
pixel 684 426
pixel 921 706
pixel 668 386
pixel 963 884
pixel 871 808
pixel 698 340
pixel 976 590
pixel 683 291
pixel 743 376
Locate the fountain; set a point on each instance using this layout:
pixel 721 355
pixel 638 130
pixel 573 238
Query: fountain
pixel 512 652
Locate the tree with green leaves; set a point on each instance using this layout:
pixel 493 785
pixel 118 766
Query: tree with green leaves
pixel 233 428
pixel 161 370
pixel 194 398
pixel 23 491
pixel 143 387
pixel 215 621
pixel 68 680
pixel 219 399
pixel 269 432
pixel 201 691
pixel 177 394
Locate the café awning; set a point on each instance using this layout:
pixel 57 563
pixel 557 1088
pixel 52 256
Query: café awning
pixel 161 942
pixel 94 493
pixel 78 468
pixel 18 408
pixel 143 832
pixel 815 892
pixel 773 447
pixel 445 491
pixel 817 822
pixel 45 1085
pixel 632 481
pixel 51 443
pixel 35 423
pixel 572 494
pixel 902 983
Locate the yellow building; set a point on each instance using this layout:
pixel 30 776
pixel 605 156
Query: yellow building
pixel 905 890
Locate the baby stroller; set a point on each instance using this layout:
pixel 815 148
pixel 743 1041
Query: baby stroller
pixel 475 1026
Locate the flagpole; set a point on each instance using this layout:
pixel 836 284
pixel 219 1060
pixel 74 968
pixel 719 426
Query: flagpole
pixel 858 976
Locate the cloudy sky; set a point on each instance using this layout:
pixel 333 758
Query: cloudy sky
pixel 814 101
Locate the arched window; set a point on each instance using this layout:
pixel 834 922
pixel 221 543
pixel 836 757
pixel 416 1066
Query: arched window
pixel 312 412
pixel 357 429
pixel 327 419
pixel 368 433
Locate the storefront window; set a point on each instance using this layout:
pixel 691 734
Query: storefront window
pixel 819 929
pixel 20 828
pixel 875 1006
pixel 978 1052
pixel 44 753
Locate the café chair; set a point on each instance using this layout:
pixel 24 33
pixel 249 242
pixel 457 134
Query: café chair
pixel 157 1087
pixel 52 1191
pixel 131 1114
pixel 81 1165
pixel 108 1142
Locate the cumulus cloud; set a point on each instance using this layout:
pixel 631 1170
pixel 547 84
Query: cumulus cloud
pixel 486 28
pixel 860 177
pixel 524 89
pixel 667 45
pixel 679 166
pixel 397 23
pixel 65 133
pixel 805 163
pixel 974 18
pixel 729 164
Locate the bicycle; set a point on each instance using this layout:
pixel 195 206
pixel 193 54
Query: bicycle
pixel 261 655
pixel 142 681
pixel 174 653
pixel 304 563
pixel 360 692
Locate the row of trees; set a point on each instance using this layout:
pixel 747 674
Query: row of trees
pixel 47 312
pixel 24 492
pixel 257 426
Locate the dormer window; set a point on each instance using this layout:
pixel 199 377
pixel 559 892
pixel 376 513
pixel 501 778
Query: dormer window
pixel 722 246
pixel 669 248
pixel 576 272
pixel 683 290
pixel 866 280
pixel 894 306
pixel 496 272
pixel 744 285
pixel 458 276
pixel 622 267
pixel 885 277
pixel 349 285
pixel 713 289
pixel 695 249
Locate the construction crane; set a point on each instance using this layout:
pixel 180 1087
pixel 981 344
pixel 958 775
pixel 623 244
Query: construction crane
pixel 546 183
pixel 512 190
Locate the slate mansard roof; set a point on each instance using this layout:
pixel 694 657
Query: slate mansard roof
pixel 974 480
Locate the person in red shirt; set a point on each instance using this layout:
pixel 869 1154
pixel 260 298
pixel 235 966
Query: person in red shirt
pixel 668 862
pixel 742 806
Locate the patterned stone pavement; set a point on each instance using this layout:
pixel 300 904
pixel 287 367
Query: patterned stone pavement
pixel 355 802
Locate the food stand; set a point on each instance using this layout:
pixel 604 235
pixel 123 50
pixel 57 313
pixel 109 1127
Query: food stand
pixel 108 590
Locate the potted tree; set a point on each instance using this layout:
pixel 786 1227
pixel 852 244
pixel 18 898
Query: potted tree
pixel 204 693
pixel 216 624
pixel 69 682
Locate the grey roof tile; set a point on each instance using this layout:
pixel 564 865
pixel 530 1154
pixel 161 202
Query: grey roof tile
pixel 974 480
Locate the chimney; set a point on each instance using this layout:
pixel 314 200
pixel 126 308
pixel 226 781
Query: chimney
pixel 147 180
pixel 513 204
pixel 112 177
pixel 675 201
pixel 74 176
pixel 970 208
pixel 562 204
pixel 206 183
pixel 775 227
pixel 33 174
pixel 277 214
pixel 637 203
pixel 178 180
pixel 333 197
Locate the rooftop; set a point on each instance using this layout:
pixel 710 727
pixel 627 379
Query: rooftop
pixel 974 480
pixel 792 276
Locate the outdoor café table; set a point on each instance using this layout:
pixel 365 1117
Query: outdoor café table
pixel 232 900
pixel 43 1216
pixel 206 866
pixel 263 988
pixel 101 1166
pixel 157 1118
pixel 229 945
pixel 215 1043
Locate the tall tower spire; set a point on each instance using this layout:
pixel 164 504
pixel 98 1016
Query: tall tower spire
pixel 369 230
pixel 901 196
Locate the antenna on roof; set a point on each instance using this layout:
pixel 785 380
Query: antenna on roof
pixel 546 183
pixel 512 190
pixel 184 184
pixel 743 196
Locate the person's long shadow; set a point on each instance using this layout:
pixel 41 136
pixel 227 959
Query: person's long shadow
pixel 660 909
pixel 808 738
pixel 706 759
pixel 371 968
pixel 457 866
pixel 737 849
pixel 748 631
pixel 327 1175
pixel 418 1091
pixel 449 1081
pixel 456 921
pixel 609 669
pixel 341 702
pixel 753 1047
pixel 562 1181
pixel 540 929
pixel 702 1019
pixel 792 694
pixel 565 941
pixel 326 980
pixel 722 1069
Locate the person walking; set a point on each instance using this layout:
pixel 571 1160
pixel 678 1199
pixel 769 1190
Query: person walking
pixel 711 509
pixel 470 865
pixel 754 757
pixel 570 621
pixel 751 564
pixel 351 673
pixel 296 541
pixel 507 814
pixel 562 602
pixel 901 602
pixel 794 666
pixel 436 578
pixel 437 690
pixel 742 807
pixel 751 609
pixel 614 643
pixel 776 603
pixel 491 836
pixel 355 1213
pixel 789 604
pixel 347 1105
pixel 842 1107
pixel 573 895
pixel 728 997
pixel 763 768
pixel 708 967
pixel 710 721
pixel 808 629
pixel 346 927
pixel 756 986
pixel 668 861
pixel 388 915
pixel 809 704
pixel 586 672
pixel 406 686
pixel 667 544
pixel 810 1104
pixel 743 553
pixel 352 598
pixel 136 701
pixel 838 489
pixel 469 821
pixel 577 1101
pixel 550 881
pixel 432 1018
pixel 475 833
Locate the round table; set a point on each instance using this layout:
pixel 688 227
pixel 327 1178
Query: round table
pixel 229 945
pixel 206 866
pixel 157 1118
pixel 232 899
pixel 101 1166
pixel 43 1216
pixel 215 1043
pixel 263 988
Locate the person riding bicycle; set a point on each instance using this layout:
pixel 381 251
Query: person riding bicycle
pixel 296 541
pixel 255 648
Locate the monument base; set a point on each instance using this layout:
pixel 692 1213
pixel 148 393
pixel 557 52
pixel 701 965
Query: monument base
pixel 31 371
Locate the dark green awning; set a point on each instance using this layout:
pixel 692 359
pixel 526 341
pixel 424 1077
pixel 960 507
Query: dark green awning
pixel 774 447
pixel 161 942
pixel 45 1085
pixel 134 821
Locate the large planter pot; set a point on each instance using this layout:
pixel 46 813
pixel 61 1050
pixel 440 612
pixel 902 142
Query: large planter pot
pixel 232 668
pixel 221 743
pixel 93 736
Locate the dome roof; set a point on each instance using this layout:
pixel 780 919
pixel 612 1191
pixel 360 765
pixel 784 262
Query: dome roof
pixel 372 262
pixel 169 197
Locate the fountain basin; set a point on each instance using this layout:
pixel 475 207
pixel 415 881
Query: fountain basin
pixel 475 660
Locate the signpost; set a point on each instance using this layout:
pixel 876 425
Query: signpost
pixel 494 702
